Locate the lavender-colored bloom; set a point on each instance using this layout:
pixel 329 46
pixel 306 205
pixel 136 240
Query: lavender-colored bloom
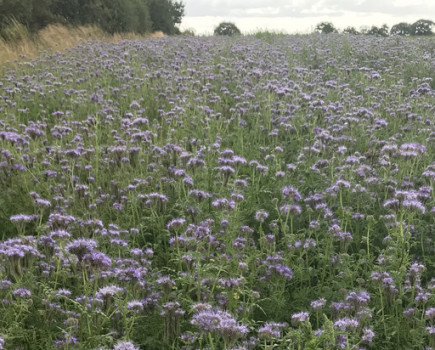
pixel 125 345
pixel 108 291
pixel 261 215
pixel 97 260
pixel 318 304
pixel 367 336
pixel 81 246
pixel 414 204
pixel 60 221
pixel 346 324
pixel 223 203
pixel 59 234
pixel 63 292
pixel 422 296
pixel 278 269
pixel 5 284
pixel 22 293
pixel 299 318
pixel 409 313
pixel 172 308
pixel 220 322
pixel 135 306
pixel 290 192
pixel 23 218
pixel 175 224
pixel 430 313
pixel 358 299
pixel 412 149
pixel 271 330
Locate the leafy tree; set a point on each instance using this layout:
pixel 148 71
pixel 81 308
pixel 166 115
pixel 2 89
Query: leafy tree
pixel 422 27
pixel 379 31
pixel 142 13
pixel 350 30
pixel 111 15
pixel 11 10
pixel 401 28
pixel 227 28
pixel 165 14
pixel 41 14
pixel 325 28
pixel 177 11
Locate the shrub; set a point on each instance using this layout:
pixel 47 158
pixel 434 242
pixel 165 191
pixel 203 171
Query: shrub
pixel 227 28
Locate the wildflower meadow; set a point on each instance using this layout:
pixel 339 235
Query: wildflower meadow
pixel 253 192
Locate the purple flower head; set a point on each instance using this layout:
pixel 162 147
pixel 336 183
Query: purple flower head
pixel 430 313
pixel 135 305
pixel 125 345
pixel 108 291
pixel 219 322
pixel 261 215
pixel 271 330
pixel 299 318
pixel 172 308
pixel 367 336
pixel 223 203
pixel 59 234
pixel 5 284
pixel 290 192
pixel 97 260
pixel 412 149
pixel 175 224
pixel 22 293
pixel 24 218
pixel 135 105
pixel 414 204
pixel 81 246
pixel 318 304
pixel 60 221
pixel 346 324
pixel 358 299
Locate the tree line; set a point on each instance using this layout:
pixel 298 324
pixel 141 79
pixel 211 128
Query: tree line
pixel 422 27
pixel 140 16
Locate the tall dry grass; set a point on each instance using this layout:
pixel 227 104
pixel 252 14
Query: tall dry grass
pixel 21 45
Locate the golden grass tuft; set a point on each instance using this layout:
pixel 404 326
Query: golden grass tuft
pixel 55 37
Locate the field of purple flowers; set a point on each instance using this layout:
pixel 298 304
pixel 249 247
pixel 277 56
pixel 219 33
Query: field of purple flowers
pixel 214 193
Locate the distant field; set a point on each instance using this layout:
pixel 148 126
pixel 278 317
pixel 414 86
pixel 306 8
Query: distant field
pixel 258 192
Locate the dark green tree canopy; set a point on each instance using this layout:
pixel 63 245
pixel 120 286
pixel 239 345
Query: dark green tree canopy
pixel 111 15
pixel 422 27
pixel 227 28
pixel 325 28
pixel 379 31
pixel 350 30
pixel 401 28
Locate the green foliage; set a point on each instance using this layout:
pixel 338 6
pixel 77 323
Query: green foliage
pixel 11 10
pixel 227 28
pixel 325 28
pixel 14 31
pixel 422 27
pixel 111 15
pixel 401 28
pixel 350 30
pixel 378 31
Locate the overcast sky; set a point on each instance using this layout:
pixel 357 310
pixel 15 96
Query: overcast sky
pixel 301 16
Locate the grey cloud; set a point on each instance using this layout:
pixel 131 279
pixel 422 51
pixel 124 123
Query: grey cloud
pixel 298 8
